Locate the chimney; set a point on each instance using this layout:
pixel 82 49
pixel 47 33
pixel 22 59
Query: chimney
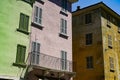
pixel 78 8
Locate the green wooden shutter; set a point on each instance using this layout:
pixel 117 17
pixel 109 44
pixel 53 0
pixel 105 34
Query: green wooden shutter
pixel 21 22
pixel 23 50
pixel 20 56
pixel 26 22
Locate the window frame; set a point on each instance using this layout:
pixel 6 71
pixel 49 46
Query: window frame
pixel 89 38
pixel 109 20
pixel 110 43
pixel 111 61
pixel 63 60
pixel 88 18
pixel 64 5
pixel 89 62
pixel 35 49
pixel 21 49
pixel 37 15
pixel 23 23
pixel 63 26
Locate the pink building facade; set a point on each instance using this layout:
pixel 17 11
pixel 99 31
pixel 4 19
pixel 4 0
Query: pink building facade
pixel 51 41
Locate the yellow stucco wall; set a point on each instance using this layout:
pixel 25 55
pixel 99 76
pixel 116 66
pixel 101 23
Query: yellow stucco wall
pixel 108 52
pixel 99 48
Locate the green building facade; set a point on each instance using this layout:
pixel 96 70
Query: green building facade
pixel 15 20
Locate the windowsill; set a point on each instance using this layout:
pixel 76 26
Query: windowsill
pixel 108 25
pixel 110 47
pixel 112 70
pixel 25 32
pixel 39 26
pixel 20 64
pixel 64 69
pixel 41 1
pixel 26 1
pixel 90 68
pixel 29 2
pixel 88 23
pixel 88 44
pixel 63 12
pixel 118 31
pixel 63 35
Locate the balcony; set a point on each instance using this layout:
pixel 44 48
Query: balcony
pixel 50 62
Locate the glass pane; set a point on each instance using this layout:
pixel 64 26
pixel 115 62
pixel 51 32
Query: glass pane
pixel 65 27
pixel 22 54
pixel 39 21
pixel 36 11
pixel 38 47
pixel 33 58
pixel 40 13
pixel 33 46
pixel 37 59
pixel 36 19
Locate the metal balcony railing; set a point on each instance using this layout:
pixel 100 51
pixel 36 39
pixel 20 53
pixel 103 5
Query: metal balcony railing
pixel 51 62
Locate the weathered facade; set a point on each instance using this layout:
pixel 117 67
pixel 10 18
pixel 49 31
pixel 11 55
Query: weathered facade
pixel 14 38
pixel 51 41
pixel 96 43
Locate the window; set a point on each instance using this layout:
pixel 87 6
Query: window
pixel 20 57
pixel 111 60
pixel 118 24
pixel 63 60
pixel 24 21
pixel 38 15
pixel 109 41
pixel 35 52
pixel 63 27
pixel 88 18
pixel 89 39
pixel 108 20
pixel 89 61
pixel 119 29
pixel 64 5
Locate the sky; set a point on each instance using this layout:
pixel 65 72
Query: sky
pixel 113 4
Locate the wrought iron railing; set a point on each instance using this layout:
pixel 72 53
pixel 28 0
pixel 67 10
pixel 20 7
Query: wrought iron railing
pixel 47 61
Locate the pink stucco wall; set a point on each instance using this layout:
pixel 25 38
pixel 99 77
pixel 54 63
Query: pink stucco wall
pixel 49 39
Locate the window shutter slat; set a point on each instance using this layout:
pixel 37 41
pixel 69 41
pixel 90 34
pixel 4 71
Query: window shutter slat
pixel 26 22
pixel 20 56
pixel 21 22
pixel 23 50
